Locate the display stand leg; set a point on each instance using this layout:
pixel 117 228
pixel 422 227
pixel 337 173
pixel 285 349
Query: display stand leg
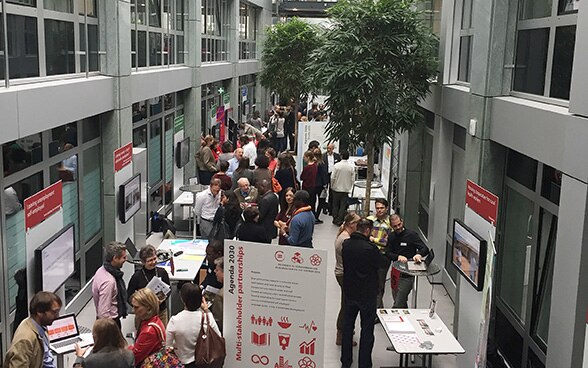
pixel 193 224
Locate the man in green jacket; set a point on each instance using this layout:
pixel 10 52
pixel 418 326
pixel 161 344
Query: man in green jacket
pixel 30 344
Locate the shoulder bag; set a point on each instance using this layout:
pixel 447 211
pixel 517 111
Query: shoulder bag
pixel 210 347
pixel 165 357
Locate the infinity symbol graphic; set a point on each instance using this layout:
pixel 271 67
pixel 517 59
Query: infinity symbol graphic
pixel 263 359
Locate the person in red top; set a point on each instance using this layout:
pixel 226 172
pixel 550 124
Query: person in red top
pixel 271 154
pixel 151 335
pixel 226 181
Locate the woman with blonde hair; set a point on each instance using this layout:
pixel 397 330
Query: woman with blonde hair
pixel 151 335
pixel 349 227
pixel 108 350
pixel 206 161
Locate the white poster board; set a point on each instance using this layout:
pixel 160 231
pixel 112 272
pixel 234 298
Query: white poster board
pixel 274 305
pixel 311 131
pixel 385 169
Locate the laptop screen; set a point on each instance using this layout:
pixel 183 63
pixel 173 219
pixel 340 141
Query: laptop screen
pixel 63 328
pixel 131 248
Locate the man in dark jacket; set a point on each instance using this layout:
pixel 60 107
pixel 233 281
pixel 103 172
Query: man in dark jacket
pixel 404 244
pixel 267 204
pixel 361 261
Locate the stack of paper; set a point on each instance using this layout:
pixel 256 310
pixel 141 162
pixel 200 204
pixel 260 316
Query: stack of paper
pixel 399 327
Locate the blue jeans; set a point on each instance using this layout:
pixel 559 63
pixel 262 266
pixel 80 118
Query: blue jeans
pixel 367 312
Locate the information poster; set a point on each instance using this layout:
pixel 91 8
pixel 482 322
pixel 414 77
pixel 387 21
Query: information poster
pixel 274 306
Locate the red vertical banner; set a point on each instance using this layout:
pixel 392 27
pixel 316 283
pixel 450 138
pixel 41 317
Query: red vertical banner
pixel 43 204
pixel 220 119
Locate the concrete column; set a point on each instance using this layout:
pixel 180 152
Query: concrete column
pixel 115 35
pixel 192 126
pixel 569 291
pixel 411 153
pixel 233 37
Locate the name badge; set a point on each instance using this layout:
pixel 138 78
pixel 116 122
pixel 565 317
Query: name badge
pixel 403 244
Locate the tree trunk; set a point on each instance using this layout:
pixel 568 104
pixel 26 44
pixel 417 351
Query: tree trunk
pixel 369 145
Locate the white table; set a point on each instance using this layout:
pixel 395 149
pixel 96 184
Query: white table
pixel 185 199
pixel 187 265
pixel 412 331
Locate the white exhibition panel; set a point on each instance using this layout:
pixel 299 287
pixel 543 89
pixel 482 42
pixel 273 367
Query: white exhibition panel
pixel 124 231
pixel 385 167
pixel 311 131
pixel 35 237
pixel 470 300
pixel 274 305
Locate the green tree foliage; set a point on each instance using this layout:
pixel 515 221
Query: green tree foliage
pixel 285 57
pixel 375 65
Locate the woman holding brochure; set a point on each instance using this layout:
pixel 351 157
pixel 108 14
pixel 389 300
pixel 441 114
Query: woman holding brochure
pixel 143 276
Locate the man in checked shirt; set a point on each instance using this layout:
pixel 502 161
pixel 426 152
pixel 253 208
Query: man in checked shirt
pixel 379 236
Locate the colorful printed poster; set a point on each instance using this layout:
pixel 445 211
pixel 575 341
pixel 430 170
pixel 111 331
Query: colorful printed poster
pixel 274 306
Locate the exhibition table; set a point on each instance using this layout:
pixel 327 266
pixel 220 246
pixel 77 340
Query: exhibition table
pixel 189 192
pixel 412 331
pixel 431 270
pixel 188 263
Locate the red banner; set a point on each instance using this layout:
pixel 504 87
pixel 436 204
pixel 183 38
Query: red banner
pixel 43 204
pixel 123 156
pixel 482 201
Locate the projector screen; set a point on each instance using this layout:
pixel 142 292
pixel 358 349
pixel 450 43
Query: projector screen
pixel 55 260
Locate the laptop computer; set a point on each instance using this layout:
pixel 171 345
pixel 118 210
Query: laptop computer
pixel 64 334
pixel 422 266
pixel 133 252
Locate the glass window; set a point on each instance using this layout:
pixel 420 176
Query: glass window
pixel 180 49
pixel 169 148
pixel 567 6
pixel 15 230
pixel 22 153
pixel 180 14
pixel 154 13
pixel 168 49
pixel 91 9
pixel 517 246
pixel 168 101
pixel 92 45
pixel 63 138
pixel 155 106
pixel 531 60
pixel 459 136
pixel 23 2
pixel 23 53
pixel 92 204
pixel 465 56
pixel 215 18
pixel 535 9
pixel 563 60
pixel 139 111
pixel 140 137
pixel 521 168
pixel 551 184
pixel 91 128
pixel 154 152
pixel 2 50
pixel 141 11
pixel 59 47
pixel 142 49
pixel 154 48
pixel 65 6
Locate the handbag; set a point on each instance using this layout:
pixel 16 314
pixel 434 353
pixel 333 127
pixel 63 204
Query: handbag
pixel 210 347
pixel 276 186
pixel 165 357
pixel 296 182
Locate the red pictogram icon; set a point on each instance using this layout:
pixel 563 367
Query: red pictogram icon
pixel 262 339
pixel 297 258
pixel 309 327
pixel 315 260
pixel 284 340
pixel 260 359
pixel 282 363
pixel 279 256
pixel 306 362
pixel 261 321
pixel 307 347
pixel 284 323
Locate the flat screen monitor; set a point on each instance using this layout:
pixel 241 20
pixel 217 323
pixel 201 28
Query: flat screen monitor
pixel 129 198
pixel 183 153
pixel 469 254
pixel 55 260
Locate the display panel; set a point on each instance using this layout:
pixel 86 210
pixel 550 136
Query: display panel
pixel 469 254
pixel 129 198
pixel 183 153
pixel 55 260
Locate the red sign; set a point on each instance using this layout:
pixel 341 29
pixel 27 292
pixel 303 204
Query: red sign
pixel 123 156
pixel 482 201
pixel 43 204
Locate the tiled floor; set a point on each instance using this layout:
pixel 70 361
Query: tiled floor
pixel 323 239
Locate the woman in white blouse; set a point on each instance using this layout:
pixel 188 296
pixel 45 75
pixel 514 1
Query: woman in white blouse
pixel 183 328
